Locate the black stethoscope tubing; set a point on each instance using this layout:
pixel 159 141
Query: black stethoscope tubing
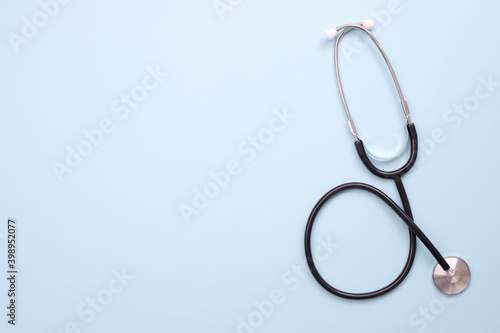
pixel 405 215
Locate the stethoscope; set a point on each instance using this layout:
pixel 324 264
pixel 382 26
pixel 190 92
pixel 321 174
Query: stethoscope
pixel 451 275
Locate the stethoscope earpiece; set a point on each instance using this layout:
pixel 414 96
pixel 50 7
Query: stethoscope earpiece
pixel 331 33
pixel 368 24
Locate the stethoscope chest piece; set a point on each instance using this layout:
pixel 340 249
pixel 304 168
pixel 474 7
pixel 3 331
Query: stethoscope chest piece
pixel 454 280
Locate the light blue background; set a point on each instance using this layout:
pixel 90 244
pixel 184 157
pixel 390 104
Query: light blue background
pixel 120 208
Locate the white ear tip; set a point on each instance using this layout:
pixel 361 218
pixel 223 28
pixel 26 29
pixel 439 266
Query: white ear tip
pixel 331 33
pixel 368 24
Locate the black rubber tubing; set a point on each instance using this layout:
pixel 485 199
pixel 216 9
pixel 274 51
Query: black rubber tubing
pixel 405 215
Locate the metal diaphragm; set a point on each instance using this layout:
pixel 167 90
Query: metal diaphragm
pixel 455 279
